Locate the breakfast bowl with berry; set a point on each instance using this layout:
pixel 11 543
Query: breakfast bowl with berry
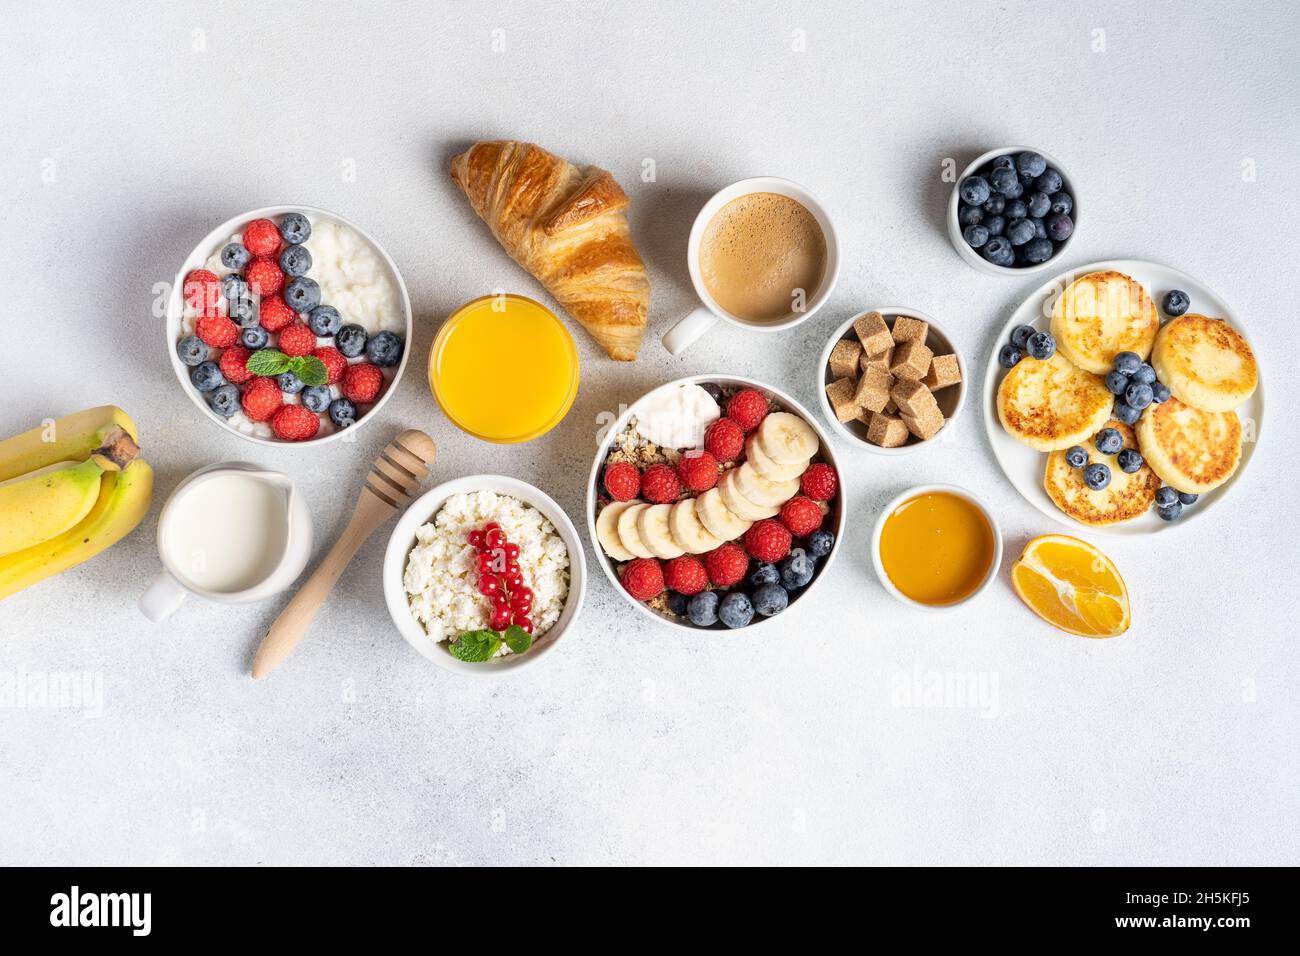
pixel 288 324
pixel 714 503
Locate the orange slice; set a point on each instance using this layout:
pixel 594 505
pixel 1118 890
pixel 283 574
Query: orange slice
pixel 1072 586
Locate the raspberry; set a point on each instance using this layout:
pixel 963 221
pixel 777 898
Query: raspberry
pixel 724 439
pixel 726 564
pixel 262 237
pixel 295 423
pixel 622 481
pixel 801 515
pixel 643 578
pixel 362 382
pixel 202 291
pixel 659 484
pixel 335 363
pixel 768 540
pixel 275 314
pixel 233 364
pixel 297 339
pixel 264 276
pixel 217 331
pixel 262 399
pixel 698 470
pixel 747 409
pixel 820 482
pixel 685 575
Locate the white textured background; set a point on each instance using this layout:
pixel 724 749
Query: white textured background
pixel 130 131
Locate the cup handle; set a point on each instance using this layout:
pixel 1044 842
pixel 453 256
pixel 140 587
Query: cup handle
pixel 680 336
pixel 162 598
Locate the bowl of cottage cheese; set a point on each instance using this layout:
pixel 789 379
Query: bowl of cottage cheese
pixel 433 576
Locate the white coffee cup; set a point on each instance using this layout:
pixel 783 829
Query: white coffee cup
pixel 229 504
pixel 706 316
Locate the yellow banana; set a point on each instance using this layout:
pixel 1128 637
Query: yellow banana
pixel 71 438
pixel 124 498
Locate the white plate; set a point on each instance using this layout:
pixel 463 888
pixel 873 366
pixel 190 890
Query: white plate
pixel 1024 466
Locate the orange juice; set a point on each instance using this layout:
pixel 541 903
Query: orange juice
pixel 504 368
pixel 937 548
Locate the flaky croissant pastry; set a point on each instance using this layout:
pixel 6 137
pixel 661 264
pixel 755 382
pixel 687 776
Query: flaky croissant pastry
pixel 566 225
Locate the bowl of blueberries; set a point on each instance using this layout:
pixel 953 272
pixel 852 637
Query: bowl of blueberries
pixel 1012 210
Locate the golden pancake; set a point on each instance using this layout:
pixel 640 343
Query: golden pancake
pixel 1190 449
pixel 1051 404
pixel 1205 362
pixel 1125 498
pixel 1100 315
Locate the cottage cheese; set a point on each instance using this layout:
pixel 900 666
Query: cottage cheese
pixel 441 578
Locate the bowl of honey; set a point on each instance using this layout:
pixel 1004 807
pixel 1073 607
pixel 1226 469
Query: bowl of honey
pixel 936 547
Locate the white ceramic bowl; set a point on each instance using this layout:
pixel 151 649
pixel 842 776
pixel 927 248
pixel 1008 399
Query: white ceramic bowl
pixel 402 541
pixel 973 257
pixel 908 495
pixel 951 399
pixel 834 522
pixel 219 237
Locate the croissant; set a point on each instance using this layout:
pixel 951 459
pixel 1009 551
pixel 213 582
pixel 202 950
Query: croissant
pixel 566 225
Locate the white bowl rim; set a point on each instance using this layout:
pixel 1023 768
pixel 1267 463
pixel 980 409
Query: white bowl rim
pixel 402 538
pixel 994 566
pixel 603 449
pixel 840 427
pixel 176 310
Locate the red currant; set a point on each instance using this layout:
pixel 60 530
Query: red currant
pixel 500 621
pixel 488 586
pixel 512 552
pixel 500 601
pixel 513 580
pixel 491 526
pixel 493 538
pixel 475 539
pixel 521 621
pixel 521 593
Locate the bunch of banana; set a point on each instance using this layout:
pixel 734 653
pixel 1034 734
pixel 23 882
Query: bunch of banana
pixel 68 490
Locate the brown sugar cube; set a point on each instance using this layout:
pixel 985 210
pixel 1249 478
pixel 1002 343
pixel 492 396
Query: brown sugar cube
pixel 844 358
pixel 881 360
pixel 926 425
pixel 873 389
pixel 913 398
pixel 891 406
pixel 840 394
pixel 911 361
pixel 873 333
pixel 887 431
pixel 907 329
pixel 944 371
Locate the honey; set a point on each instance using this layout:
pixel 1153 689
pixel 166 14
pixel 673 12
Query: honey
pixel 937 548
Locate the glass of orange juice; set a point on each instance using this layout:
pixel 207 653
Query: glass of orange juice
pixel 504 368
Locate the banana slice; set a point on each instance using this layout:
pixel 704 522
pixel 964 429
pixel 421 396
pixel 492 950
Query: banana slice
pixel 687 529
pixel 738 504
pixel 607 530
pixel 761 491
pixel 767 467
pixel 787 439
pixel 627 533
pixel 720 521
pixel 652 528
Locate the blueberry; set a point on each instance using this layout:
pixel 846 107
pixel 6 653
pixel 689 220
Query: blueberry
pixel 974 190
pixel 1009 356
pixel 998 250
pixel 975 235
pixel 1059 226
pixel 1014 189
pixel 1026 180
pixel 351 340
pixel 1020 336
pixel 294 227
pixel 1096 476
pixel 1128 362
pixel 1108 441
pixel 764 574
pixel 1005 161
pixel 1187 498
pixel 1049 181
pixel 703 609
pixel 1039 203
pixel 207 376
pixel 384 350
pixel 969 215
pixel 796 570
pixel 235 256
pixel 770 599
pixel 995 204
pixel 1176 303
pixel 1125 412
pixel 1170 512
pixel 233 286
pixel 255 338
pixel 1165 496
pixel 302 294
pixel 714 392
pixel 1020 231
pixel 1031 164
pixel 1129 461
pixel 1016 209
pixel 1145 374
pixel 1040 231
pixel 1077 456
pixel 295 261
pixel 224 400
pixel 289 383
pixel 192 350
pixel 1062 203
pixel 325 321
pixel 996 225
pixel 1003 179
pixel 342 412
pixel 1038 250
pixel 735 610
pixel 1042 346
pixel 1159 392
pixel 677 603
pixel 243 312
pixel 1117 382
pixel 1139 395
pixel 820 543
pixel 316 398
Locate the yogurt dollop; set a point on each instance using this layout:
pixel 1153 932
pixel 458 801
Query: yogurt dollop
pixel 677 417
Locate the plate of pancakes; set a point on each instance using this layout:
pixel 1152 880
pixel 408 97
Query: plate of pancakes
pixel 1197 441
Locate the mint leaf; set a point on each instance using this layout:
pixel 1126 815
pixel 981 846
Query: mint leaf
pixel 475 646
pixel 517 639
pixel 309 369
pixel 269 362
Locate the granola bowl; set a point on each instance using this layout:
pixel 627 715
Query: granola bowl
pixel 739 498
